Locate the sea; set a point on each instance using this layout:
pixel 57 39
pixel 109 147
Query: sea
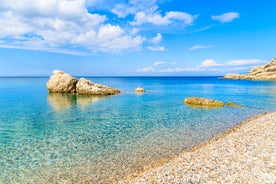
pixel 66 138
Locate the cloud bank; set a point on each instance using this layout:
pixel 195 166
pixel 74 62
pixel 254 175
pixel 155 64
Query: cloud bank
pixel 60 25
pixel 79 26
pixel 208 65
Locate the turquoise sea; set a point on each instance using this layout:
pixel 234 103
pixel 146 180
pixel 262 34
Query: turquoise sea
pixel 62 138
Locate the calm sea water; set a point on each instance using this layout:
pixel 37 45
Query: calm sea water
pixel 51 138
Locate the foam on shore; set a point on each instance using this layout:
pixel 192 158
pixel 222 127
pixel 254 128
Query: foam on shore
pixel 243 154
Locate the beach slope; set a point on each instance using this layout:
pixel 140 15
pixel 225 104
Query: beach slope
pixel 244 154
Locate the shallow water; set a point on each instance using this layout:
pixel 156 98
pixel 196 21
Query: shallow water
pixel 51 138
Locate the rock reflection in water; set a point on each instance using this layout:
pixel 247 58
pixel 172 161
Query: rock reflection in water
pixel 61 102
pixel 85 100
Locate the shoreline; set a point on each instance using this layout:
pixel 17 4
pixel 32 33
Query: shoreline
pixel 242 154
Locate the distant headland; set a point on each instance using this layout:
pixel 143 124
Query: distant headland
pixel 265 72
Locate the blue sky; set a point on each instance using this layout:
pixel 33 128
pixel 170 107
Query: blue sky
pixel 135 38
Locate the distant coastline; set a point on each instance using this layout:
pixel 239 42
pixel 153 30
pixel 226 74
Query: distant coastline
pixel 265 72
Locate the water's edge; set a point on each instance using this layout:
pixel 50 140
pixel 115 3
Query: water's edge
pixel 162 162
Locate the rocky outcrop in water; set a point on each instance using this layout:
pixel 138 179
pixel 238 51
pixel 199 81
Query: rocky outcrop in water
pixel 265 72
pixel 203 102
pixel 87 87
pixel 61 82
pixel 206 102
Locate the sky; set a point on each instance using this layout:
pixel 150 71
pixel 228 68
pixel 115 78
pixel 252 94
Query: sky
pixel 135 37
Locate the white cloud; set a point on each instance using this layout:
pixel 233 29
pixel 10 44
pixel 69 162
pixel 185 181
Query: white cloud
pixel 91 2
pixel 155 67
pixel 146 69
pixel 57 25
pixel 133 6
pixel 157 39
pixel 187 18
pixel 209 63
pixel 108 37
pixel 159 20
pixel 60 25
pixel 171 69
pixel 146 12
pixel 122 10
pixel 166 67
pixel 159 63
pixel 203 28
pixel 134 31
pixel 242 62
pixel 156 48
pixel 167 70
pixel 195 47
pixel 11 25
pixel 66 9
pixel 226 17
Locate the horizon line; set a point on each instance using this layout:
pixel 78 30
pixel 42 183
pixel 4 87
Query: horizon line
pixel 44 76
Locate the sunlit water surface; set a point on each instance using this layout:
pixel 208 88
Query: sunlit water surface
pixel 52 138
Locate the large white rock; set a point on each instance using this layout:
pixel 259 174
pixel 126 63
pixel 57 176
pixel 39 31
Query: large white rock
pixel 61 82
pixel 87 87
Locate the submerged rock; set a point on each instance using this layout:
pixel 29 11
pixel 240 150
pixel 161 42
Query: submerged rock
pixel 231 104
pixel 87 87
pixel 139 90
pixel 203 102
pixel 61 82
pixel 206 102
pixel 265 72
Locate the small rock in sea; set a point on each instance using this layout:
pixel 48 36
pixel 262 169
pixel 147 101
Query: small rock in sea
pixel 231 104
pixel 203 102
pixel 140 90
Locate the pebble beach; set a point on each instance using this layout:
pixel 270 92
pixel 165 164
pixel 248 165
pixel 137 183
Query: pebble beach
pixel 243 154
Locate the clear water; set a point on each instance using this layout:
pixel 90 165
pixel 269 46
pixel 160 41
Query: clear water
pixel 55 138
